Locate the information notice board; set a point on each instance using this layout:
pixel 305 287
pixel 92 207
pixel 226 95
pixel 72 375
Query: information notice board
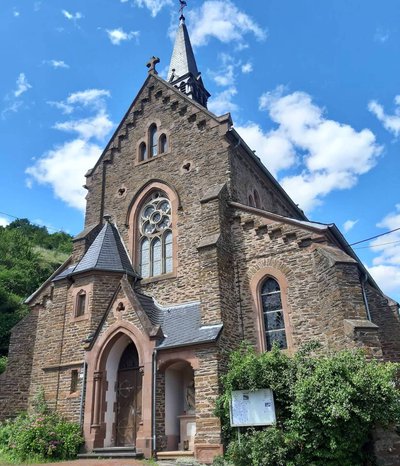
pixel 252 408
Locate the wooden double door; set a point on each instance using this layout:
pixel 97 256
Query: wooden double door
pixel 129 398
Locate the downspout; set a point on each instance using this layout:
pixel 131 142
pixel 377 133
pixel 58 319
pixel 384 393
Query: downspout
pixel 364 280
pixel 83 393
pixel 153 409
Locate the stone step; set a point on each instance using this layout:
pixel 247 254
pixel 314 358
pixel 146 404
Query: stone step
pixel 112 452
pixel 164 456
pixel 113 449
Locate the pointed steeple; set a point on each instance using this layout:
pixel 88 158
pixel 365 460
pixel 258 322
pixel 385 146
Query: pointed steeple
pixel 183 72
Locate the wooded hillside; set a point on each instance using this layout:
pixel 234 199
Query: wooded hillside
pixel 29 254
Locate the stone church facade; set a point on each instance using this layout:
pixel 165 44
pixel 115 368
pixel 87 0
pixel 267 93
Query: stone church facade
pixel 190 246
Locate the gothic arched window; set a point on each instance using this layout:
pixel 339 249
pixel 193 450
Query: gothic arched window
pixel 163 144
pixel 274 324
pixel 142 152
pixel 153 140
pixel 257 201
pixel 155 223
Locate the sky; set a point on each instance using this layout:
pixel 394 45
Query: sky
pixel 312 86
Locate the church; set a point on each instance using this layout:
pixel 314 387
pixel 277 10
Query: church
pixel 189 247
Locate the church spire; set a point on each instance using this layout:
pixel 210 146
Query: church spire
pixel 183 72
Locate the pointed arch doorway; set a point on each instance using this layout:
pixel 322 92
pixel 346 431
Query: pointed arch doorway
pixel 128 414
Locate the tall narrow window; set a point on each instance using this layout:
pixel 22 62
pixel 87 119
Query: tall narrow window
pixel 155 239
pixel 163 144
pixel 74 381
pixel 168 251
pixel 153 140
pixel 156 257
pixel 145 258
pixel 80 304
pixel 142 151
pixel 251 201
pixel 274 323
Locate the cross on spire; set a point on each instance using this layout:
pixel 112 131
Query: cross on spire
pixel 183 5
pixel 151 65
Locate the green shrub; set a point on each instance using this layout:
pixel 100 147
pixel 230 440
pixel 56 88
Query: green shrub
pixel 327 405
pixel 40 436
pixel 3 363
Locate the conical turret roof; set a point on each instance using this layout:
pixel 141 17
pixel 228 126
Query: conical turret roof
pixel 182 60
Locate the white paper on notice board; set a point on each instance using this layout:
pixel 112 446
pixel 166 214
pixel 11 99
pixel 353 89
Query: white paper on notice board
pixel 255 408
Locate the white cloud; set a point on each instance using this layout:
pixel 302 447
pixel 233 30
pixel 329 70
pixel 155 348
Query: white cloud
pixel 118 35
pixel 155 6
pixel 247 68
pixel 4 222
pixel 390 122
pixel 58 64
pixel 63 168
pixel 349 224
pixel 12 108
pixel 225 76
pixel 16 13
pixel 13 100
pixel 222 102
pixel 386 264
pixel 93 127
pixel 381 35
pixel 22 85
pixel 90 98
pixel 222 20
pixel 72 16
pixel 277 151
pixel 387 277
pixel 328 155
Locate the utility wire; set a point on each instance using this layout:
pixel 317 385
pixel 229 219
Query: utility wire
pixel 377 245
pixel 18 218
pixel 373 237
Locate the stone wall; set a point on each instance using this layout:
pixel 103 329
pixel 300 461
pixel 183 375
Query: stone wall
pixel 15 381
pixel 385 314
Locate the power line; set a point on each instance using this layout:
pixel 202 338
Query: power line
pixel 19 218
pixel 377 245
pixel 373 237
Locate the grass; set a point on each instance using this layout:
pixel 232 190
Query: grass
pixel 51 257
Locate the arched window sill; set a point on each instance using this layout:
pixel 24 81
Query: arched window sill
pixel 158 278
pixel 151 159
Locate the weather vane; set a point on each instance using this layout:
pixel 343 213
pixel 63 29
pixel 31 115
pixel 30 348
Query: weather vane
pixel 183 5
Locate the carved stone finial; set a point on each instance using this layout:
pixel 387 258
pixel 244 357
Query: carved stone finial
pixel 151 65
pixel 107 218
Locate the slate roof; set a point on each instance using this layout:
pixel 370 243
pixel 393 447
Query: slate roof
pixel 181 325
pixel 182 60
pixel 107 253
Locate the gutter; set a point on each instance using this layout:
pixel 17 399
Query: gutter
pixel 83 394
pixel 153 402
pixel 364 280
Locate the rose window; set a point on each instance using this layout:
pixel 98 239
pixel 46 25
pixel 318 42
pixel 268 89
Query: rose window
pixel 155 236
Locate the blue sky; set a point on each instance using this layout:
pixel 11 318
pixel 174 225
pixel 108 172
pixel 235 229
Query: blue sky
pixel 313 87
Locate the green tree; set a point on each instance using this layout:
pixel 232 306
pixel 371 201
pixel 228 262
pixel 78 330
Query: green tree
pixel 28 256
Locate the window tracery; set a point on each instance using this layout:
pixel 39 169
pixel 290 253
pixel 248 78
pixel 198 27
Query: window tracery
pixel 155 223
